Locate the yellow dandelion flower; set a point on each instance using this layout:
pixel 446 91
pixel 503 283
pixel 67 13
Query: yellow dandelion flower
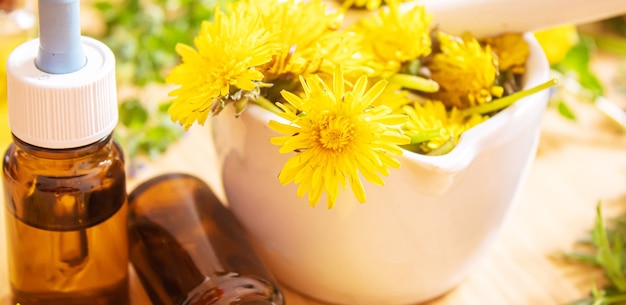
pixel 393 97
pixel 396 36
pixel 465 71
pixel 434 129
pixel 338 136
pixel 300 27
pixel 228 51
pixel 368 4
pixel 512 51
pixel 343 48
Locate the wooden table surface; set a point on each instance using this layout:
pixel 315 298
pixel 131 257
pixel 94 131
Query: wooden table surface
pixel 577 164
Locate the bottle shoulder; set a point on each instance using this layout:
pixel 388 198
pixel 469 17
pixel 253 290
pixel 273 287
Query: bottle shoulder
pixel 24 163
pixel 35 184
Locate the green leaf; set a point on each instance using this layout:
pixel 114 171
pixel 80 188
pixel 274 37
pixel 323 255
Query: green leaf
pixel 591 82
pixel 609 256
pixel 143 35
pixel 584 258
pixel 133 114
pixel 606 253
pixel 164 106
pixel 565 110
pixel 578 58
pixel 578 61
pixel 103 6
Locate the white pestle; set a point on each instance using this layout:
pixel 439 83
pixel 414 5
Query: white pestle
pixel 485 18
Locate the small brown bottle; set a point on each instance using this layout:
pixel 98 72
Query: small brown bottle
pixel 187 248
pixel 63 177
pixel 66 224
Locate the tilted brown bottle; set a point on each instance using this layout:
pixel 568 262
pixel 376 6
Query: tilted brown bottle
pixel 187 248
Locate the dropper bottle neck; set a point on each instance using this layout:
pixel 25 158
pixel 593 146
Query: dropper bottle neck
pixel 104 145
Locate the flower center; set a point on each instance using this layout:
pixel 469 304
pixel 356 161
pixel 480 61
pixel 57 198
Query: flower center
pixel 334 133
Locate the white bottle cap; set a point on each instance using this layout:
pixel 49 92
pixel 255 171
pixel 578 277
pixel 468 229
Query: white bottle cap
pixel 62 110
pixel 61 87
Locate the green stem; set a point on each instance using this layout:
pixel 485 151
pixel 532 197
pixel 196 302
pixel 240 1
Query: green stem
pixel 414 82
pixel 425 135
pixel 508 100
pixel 267 105
pixel 444 148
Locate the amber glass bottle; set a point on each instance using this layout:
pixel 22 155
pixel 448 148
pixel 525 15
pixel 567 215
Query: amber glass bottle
pixel 187 248
pixel 63 176
pixel 66 224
